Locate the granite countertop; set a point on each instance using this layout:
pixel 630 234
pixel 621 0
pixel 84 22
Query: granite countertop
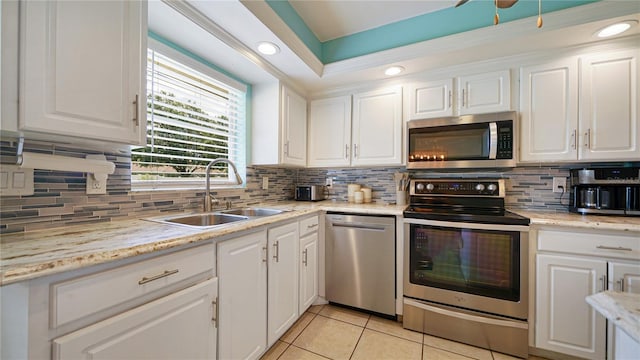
pixel 596 222
pixel 25 256
pixel 623 309
pixel 29 255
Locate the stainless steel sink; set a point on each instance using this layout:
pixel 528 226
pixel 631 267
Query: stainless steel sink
pixel 203 220
pixel 253 212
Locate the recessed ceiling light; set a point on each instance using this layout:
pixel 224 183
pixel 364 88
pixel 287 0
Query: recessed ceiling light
pixel 617 28
pixel 268 48
pixel 393 70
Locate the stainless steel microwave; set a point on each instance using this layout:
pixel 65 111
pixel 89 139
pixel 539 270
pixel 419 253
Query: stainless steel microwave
pixel 470 141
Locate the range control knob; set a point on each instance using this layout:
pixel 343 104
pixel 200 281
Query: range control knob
pixel 419 186
pixel 492 187
pixel 429 187
pixel 480 187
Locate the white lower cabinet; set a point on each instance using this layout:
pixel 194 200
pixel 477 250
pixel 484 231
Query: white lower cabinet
pixel 282 289
pixel 308 263
pixel 623 277
pixel 565 323
pixel 571 265
pixel 177 326
pixel 242 270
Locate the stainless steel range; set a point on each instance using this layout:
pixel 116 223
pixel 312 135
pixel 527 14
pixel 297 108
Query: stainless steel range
pixel 465 265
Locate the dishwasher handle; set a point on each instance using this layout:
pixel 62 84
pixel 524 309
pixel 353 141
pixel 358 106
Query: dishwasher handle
pixel 360 226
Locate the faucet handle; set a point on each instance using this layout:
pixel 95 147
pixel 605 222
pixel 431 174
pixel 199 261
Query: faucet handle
pixel 228 204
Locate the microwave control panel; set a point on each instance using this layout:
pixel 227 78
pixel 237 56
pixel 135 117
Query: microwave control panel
pixel 505 140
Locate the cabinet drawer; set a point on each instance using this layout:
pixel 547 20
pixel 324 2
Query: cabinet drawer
pixel 308 225
pixel 76 298
pixel 610 245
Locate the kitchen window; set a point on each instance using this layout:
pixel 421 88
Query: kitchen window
pixel 194 115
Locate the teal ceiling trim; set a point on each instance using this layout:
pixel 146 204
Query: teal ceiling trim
pixel 288 14
pixel 473 15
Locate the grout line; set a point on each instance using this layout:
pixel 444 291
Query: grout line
pixel 357 342
pixel 285 349
pixel 395 336
pixel 315 353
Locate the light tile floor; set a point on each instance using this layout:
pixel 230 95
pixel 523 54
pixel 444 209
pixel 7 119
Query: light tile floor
pixel 330 332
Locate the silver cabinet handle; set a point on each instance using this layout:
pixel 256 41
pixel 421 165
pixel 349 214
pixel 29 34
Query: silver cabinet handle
pixel 603 279
pixel 166 273
pixel 264 250
pixel 614 248
pixel 620 284
pixel 276 249
pixel 286 148
pixel 346 151
pixel 137 108
pixel 312 226
pixel 587 139
pixel 463 98
pixel 355 150
pixel 573 139
pixel 304 259
pixel 450 98
pixel 214 303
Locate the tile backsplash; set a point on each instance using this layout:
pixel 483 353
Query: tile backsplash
pixel 60 198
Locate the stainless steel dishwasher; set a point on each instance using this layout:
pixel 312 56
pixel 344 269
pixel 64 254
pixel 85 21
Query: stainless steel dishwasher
pixel 360 262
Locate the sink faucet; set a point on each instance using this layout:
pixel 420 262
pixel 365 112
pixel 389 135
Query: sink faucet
pixel 207 196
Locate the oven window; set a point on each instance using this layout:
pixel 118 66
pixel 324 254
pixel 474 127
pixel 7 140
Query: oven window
pixel 463 142
pixel 480 262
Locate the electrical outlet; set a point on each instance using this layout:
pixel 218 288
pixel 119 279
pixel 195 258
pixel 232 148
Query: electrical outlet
pixel 265 183
pixel 559 184
pixel 96 185
pixel 329 182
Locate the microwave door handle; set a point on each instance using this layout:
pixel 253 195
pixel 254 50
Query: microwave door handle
pixel 493 140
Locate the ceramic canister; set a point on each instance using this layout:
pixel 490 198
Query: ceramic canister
pixel 358 197
pixel 351 188
pixel 367 194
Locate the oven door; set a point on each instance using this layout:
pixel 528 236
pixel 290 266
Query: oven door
pixel 481 267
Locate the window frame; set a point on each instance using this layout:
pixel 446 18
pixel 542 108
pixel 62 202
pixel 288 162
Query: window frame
pixel 240 162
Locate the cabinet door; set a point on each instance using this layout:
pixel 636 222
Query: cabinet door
pixel 177 326
pixel 330 132
pixel 9 15
pixel 82 69
pixel 283 280
pixel 549 110
pixel 294 124
pixel 564 321
pixel 242 273
pixel 609 106
pixel 308 271
pixel 484 93
pixel 377 128
pixel 430 99
pixel 624 277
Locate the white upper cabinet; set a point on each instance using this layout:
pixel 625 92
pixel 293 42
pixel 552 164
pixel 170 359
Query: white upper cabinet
pixel 609 106
pixel 377 128
pixel 584 109
pixel 484 93
pixel 82 69
pixel 549 111
pixel 430 99
pixel 371 137
pixel 279 126
pixel 294 127
pixel 330 132
pixel 473 94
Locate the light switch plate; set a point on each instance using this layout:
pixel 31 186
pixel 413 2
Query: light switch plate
pixel 15 180
pixel 96 184
pixel 265 183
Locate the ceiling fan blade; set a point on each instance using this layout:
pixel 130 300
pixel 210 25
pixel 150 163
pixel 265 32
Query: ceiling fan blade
pixel 504 4
pixel 461 2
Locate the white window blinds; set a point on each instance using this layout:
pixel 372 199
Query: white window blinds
pixel 192 118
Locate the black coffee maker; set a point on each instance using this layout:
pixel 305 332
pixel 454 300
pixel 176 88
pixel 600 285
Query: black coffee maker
pixel 614 191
